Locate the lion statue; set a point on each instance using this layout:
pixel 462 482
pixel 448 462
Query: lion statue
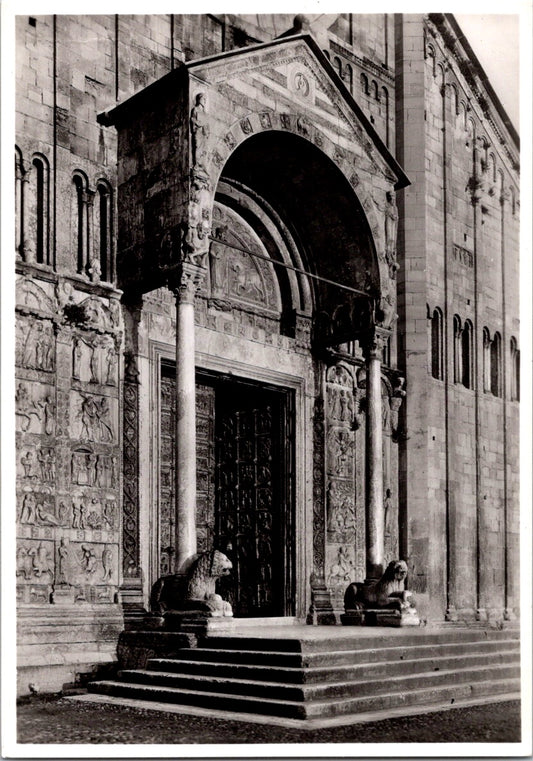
pixel 196 590
pixel 388 593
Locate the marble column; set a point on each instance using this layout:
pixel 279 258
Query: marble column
pixel 185 420
pixel 374 458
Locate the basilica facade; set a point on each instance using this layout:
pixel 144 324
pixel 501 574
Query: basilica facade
pixel 267 304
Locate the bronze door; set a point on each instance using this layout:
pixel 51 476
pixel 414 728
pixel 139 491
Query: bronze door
pixel 254 523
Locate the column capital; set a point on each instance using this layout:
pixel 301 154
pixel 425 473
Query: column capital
pixel 186 281
pixel 375 342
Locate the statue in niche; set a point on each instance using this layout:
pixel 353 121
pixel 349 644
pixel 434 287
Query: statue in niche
pixel 62 560
pixel 390 212
pixel 76 358
pixel 88 559
pixel 49 410
pixel 94 364
pixel 63 514
pixel 387 512
pixel 199 131
pixel 111 361
pixel 107 560
pixel 27 514
pixel 95 270
pixel 91 461
pixel 217 260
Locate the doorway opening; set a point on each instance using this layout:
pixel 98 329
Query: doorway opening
pixel 245 487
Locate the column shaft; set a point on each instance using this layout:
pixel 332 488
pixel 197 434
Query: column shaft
pixel 185 432
pixel 374 466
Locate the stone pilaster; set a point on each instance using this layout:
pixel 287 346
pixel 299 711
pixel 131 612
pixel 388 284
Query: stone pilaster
pixel 374 456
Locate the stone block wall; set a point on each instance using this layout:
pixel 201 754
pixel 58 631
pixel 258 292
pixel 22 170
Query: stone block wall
pixel 463 255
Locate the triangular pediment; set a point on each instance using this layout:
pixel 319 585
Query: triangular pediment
pixel 293 76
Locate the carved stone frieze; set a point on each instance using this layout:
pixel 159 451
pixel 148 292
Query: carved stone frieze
pixel 35 561
pixel 35 344
pixel 93 418
pixel 35 408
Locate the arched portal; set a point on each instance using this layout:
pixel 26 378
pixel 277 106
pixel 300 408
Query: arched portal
pixel 255 190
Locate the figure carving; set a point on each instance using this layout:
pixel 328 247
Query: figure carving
pixel 199 131
pixel 62 559
pixel 95 419
pixel 38 348
pixel 27 514
pixel 76 359
pixel 111 363
pixel 25 407
pixel 88 559
pixel 389 593
pixel 341 571
pixel 44 517
pixel 107 559
pixel 28 463
pixel 199 587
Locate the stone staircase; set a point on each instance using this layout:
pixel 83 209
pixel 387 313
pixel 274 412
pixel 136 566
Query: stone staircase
pixel 331 673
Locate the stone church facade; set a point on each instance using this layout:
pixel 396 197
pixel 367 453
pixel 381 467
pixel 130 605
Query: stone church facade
pixel 267 303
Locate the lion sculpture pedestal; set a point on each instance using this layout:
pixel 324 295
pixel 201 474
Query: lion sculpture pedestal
pixel 382 603
pixel 186 602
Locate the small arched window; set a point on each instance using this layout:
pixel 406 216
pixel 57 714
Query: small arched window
pixel 515 371
pixel 455 99
pixel 364 83
pixel 496 365
pixel 40 212
pixel 467 369
pixel 337 65
pixel 385 100
pixel 457 357
pixel 492 168
pixel 327 54
pixel 375 90
pixel 105 230
pixel 348 77
pixel 486 359
pixel 437 345
pixel 80 231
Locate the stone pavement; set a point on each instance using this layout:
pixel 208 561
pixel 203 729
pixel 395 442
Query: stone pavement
pixel 56 720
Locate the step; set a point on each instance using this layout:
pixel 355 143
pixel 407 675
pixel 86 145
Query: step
pixel 423 697
pixel 510 688
pixel 318 691
pixel 329 672
pixel 363 639
pixel 339 657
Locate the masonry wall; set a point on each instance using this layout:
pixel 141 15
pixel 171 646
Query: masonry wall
pixel 463 251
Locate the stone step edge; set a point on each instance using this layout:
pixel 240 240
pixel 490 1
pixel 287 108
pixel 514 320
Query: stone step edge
pixel 399 680
pixel 352 651
pixel 359 644
pixel 510 658
pixel 312 705
pixel 307 723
